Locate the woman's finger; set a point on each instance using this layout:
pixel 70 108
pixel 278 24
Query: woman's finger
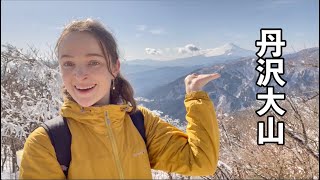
pixel 208 77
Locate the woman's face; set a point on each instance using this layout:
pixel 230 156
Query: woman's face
pixel 84 69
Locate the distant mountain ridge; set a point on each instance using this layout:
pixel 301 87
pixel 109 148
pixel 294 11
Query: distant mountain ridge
pixel 236 89
pixel 146 75
pixel 207 56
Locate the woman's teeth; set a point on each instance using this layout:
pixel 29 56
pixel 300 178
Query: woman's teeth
pixel 84 88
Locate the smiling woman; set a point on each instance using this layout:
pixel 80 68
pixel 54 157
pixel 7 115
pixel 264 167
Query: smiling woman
pixel 84 69
pixel 101 117
pixel 84 47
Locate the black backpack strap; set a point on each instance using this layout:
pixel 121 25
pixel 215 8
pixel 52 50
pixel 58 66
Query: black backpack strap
pixel 138 121
pixel 60 136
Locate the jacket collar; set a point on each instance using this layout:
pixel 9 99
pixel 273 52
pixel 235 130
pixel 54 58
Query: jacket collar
pixel 95 116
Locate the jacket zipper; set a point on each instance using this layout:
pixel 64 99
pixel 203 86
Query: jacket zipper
pixel 114 148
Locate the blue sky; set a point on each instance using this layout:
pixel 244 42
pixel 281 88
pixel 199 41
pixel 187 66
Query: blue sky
pixel 164 25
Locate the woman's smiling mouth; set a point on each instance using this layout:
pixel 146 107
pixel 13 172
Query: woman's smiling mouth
pixel 85 89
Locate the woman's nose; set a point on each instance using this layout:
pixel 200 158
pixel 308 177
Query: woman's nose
pixel 81 73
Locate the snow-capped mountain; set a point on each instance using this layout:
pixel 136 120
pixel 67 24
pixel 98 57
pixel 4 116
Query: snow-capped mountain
pixel 228 49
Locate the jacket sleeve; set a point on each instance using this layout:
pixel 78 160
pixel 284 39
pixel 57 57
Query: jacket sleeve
pixel 194 153
pixel 39 158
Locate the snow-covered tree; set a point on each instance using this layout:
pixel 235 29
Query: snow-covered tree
pixel 29 91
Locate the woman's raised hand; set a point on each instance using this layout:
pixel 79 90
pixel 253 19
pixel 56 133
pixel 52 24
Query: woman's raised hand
pixel 194 82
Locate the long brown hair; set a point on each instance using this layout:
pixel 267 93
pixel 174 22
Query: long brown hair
pixel 123 89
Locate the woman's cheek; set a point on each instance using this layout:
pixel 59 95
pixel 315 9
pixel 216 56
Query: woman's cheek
pixel 67 72
pixel 66 76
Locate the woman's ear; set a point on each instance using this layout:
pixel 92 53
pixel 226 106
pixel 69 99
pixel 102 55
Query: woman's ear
pixel 116 68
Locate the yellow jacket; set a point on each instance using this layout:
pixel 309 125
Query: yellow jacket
pixel 106 144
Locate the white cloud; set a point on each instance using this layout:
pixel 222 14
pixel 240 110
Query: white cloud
pixel 175 52
pixel 157 31
pixel 152 51
pixel 141 27
pixel 192 47
pixel 182 51
pixel 189 48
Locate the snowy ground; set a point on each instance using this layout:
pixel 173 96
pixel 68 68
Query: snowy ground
pixel 8 175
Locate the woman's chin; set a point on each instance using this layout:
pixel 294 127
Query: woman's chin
pixel 85 103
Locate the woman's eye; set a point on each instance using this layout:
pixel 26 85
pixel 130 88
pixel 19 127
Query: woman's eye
pixel 68 64
pixel 94 63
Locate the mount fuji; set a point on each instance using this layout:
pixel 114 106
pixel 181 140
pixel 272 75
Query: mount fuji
pixel 228 49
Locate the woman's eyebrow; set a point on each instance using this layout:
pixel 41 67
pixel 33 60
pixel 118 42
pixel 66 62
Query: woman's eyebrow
pixel 87 55
pixel 94 54
pixel 65 56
